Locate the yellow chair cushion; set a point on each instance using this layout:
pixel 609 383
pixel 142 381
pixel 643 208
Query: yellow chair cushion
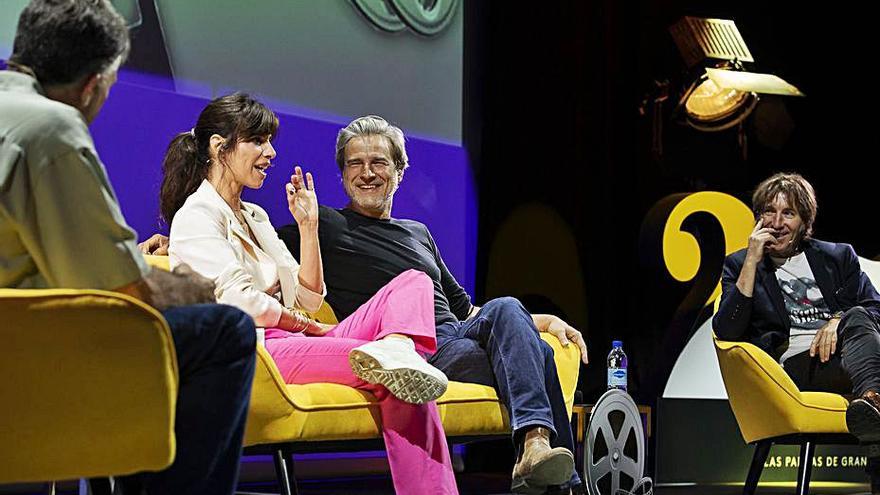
pixel 325 411
pixel 158 261
pixel 766 401
pixel 88 388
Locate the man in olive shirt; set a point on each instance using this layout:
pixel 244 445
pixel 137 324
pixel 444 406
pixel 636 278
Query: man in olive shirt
pixel 61 226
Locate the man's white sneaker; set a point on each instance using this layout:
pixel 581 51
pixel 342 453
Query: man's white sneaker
pixel 395 364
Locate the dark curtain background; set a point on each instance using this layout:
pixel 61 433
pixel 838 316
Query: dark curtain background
pixel 552 98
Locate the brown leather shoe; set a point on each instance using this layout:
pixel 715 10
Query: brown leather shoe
pixel 863 417
pixel 540 466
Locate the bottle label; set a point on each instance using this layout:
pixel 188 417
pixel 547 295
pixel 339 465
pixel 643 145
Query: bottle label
pixel 616 378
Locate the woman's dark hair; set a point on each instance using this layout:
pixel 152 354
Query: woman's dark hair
pixel 237 118
pixel 64 40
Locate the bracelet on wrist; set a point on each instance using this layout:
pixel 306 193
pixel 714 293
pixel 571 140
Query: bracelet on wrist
pixel 303 321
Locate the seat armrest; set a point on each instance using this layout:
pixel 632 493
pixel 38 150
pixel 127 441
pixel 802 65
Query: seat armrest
pixel 88 387
pixel 568 365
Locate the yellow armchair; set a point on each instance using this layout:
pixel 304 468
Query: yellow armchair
pixel 88 388
pixel 767 403
pixel 770 409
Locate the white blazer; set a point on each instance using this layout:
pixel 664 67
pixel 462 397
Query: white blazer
pixel 206 235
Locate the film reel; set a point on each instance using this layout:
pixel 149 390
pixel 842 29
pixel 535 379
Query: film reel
pixel 614 456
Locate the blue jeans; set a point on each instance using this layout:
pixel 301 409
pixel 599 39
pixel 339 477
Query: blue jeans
pixel 500 347
pixel 215 347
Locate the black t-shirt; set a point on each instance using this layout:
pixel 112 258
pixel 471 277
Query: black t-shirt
pixel 362 254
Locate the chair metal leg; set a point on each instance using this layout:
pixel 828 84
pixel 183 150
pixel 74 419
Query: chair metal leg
pixel 100 486
pixel 282 473
pixel 294 489
pixel 805 468
pixel 762 449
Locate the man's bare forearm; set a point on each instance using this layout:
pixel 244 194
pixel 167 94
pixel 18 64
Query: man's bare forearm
pixel 162 289
pixel 746 280
pixel 179 288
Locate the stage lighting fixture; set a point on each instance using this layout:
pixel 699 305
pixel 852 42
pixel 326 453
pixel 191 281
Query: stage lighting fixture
pixel 724 94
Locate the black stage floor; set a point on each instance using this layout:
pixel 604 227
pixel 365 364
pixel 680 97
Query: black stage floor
pixel 490 484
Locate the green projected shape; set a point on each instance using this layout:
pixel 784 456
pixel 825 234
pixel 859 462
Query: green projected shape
pixel 11 9
pixel 377 12
pixel 319 55
pixel 421 16
pixel 130 10
pixel 9 12
pixel 424 20
pixel 323 58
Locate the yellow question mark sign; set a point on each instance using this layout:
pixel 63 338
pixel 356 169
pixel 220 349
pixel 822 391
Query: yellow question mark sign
pixel 681 251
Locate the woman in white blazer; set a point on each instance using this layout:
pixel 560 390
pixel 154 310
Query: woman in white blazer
pixel 233 243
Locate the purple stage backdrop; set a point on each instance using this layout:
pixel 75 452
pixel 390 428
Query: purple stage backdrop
pixel 139 120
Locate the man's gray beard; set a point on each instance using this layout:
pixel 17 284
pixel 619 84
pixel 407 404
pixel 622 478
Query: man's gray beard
pixel 377 204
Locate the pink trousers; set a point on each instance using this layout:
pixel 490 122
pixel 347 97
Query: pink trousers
pixel 414 437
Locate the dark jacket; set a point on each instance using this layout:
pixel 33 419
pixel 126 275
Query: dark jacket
pixel 762 318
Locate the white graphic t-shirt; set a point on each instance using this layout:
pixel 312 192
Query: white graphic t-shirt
pixel 804 302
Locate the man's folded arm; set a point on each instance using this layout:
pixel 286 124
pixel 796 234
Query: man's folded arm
pixel 735 309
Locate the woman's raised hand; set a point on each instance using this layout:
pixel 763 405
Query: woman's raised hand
pixel 302 200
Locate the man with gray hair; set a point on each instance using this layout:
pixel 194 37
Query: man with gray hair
pixel 498 345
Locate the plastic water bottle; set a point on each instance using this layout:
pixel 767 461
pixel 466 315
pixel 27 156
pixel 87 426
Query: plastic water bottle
pixel 617 366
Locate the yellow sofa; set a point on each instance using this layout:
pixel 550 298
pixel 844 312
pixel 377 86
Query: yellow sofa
pixel 90 384
pixel 284 419
pixel 88 387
